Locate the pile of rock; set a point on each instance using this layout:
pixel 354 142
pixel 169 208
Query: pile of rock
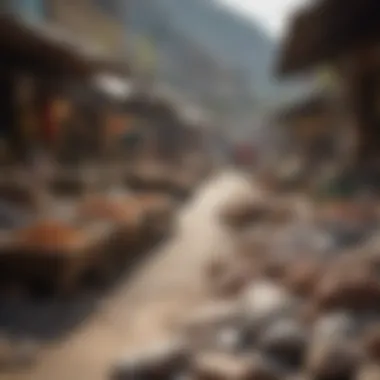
pixel 294 300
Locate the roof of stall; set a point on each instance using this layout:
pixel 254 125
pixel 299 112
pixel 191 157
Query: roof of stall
pixel 325 30
pixel 315 104
pixel 55 47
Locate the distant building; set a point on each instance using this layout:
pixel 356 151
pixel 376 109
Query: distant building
pixel 51 51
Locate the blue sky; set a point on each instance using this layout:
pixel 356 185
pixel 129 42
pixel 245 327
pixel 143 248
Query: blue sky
pixel 272 14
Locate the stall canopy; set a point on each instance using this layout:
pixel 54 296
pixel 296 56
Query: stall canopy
pixel 313 105
pixel 53 47
pixel 326 30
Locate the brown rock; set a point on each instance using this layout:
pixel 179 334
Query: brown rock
pixel 371 343
pixel 333 360
pixel 343 210
pixel 274 269
pixel 355 288
pixel 301 277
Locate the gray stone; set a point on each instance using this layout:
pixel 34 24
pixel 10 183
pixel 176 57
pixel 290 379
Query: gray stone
pixel 216 325
pixel 285 341
pixel 335 326
pixel 163 361
pixel 333 360
pixel 264 300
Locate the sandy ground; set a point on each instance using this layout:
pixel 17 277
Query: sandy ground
pixel 146 307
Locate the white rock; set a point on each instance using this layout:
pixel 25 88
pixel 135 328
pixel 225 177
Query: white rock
pixel 264 299
pixel 337 326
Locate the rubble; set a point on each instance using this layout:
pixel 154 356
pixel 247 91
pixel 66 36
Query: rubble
pixel 285 340
pixel 296 298
pixel 217 324
pixel 333 360
pixel 162 361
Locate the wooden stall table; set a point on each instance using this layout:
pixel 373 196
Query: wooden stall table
pixel 50 254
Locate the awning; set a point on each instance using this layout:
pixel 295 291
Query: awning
pixel 314 104
pixel 54 47
pixel 39 44
pixel 327 30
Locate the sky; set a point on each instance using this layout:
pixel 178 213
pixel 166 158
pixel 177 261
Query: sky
pixel 272 14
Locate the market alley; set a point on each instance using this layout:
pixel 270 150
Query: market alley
pixel 147 305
